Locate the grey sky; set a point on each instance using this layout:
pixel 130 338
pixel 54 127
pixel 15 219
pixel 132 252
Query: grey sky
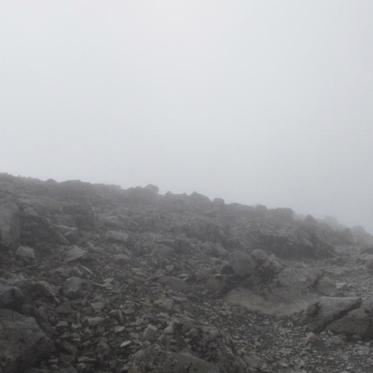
pixel 254 101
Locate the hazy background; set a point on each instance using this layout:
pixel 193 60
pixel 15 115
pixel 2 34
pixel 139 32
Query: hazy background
pixel 254 101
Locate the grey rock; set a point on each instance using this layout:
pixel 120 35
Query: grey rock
pixel 328 309
pixel 94 321
pixel 10 226
pixel 259 256
pixel 74 254
pixel 369 263
pixel 300 278
pixel 72 234
pixel 73 287
pixel 150 333
pixel 242 264
pixel 121 258
pixel 357 322
pixel 117 236
pixel 10 296
pixel 35 290
pixel 26 254
pixel 22 342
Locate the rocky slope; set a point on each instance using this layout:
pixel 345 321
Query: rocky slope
pixel 94 278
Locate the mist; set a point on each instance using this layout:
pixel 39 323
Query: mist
pixel 255 102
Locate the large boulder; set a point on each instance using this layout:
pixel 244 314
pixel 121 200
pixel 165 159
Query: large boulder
pixel 329 309
pixel 357 322
pixel 10 228
pixel 22 342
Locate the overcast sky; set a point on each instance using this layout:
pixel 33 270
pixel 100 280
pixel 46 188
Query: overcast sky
pixel 260 101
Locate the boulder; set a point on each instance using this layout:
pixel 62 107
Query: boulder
pixel 10 227
pixel 328 309
pixel 242 264
pixel 10 296
pixel 73 287
pixel 357 322
pixel 117 236
pixel 299 278
pixel 26 254
pixel 72 234
pixel 36 290
pixel 22 342
pixel 38 230
pixel 75 253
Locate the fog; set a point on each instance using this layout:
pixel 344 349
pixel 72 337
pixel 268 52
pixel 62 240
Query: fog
pixel 264 102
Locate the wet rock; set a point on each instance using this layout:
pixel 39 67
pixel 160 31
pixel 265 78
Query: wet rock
pixel 10 226
pixel 22 342
pixel 26 254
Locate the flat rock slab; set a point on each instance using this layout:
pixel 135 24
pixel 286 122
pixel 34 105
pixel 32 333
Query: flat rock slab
pixel 22 342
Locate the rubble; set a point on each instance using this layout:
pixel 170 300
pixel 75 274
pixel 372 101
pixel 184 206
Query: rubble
pixel 99 279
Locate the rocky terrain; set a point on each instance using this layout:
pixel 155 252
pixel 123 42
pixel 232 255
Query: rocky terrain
pixel 94 278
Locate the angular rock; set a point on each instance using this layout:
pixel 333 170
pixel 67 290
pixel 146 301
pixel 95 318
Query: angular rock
pixel 73 287
pixel 357 322
pixel 26 254
pixel 36 290
pixel 117 236
pixel 22 342
pixel 74 254
pixel 10 296
pixel 300 278
pixel 328 309
pixel 70 233
pixel 121 258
